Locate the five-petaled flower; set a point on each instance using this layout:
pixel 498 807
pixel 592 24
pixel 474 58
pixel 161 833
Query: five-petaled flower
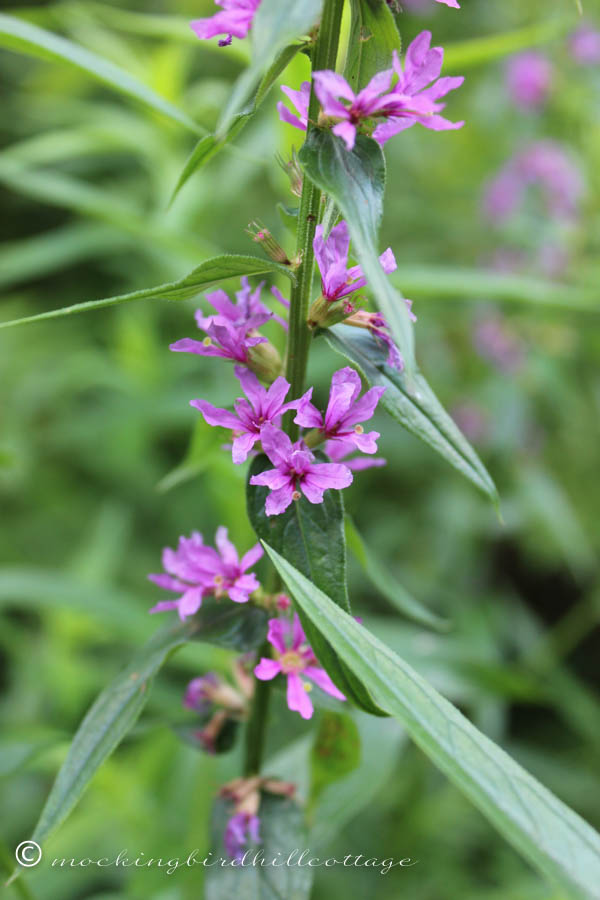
pixel 262 406
pixel 295 472
pixel 234 20
pixel 345 411
pixel 195 570
pixel 337 279
pixel 292 661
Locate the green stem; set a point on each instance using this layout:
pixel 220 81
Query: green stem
pixel 257 723
pixel 324 56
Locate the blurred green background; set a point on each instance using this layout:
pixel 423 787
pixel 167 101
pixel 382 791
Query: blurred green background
pixel 103 462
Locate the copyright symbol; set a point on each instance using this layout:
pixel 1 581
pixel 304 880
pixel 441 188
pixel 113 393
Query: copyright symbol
pixel 28 854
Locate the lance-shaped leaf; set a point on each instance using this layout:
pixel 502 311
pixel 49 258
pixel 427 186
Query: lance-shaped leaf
pixel 211 144
pixel 356 181
pixel 23 37
pixel 540 827
pixel 117 708
pixel 418 410
pixel 373 39
pixel 311 536
pixel 282 831
pixel 219 268
pixel 387 585
pixel 276 24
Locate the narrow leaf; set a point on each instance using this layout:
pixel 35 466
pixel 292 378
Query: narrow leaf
pixel 23 37
pixel 419 410
pixel 387 585
pixel 540 827
pixel 356 181
pixel 219 268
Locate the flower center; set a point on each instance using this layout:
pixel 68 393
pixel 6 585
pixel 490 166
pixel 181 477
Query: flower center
pixel 207 342
pixel 296 495
pixel 358 429
pixel 291 661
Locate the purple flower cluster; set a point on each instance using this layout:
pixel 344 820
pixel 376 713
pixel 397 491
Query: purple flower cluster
pixel 234 20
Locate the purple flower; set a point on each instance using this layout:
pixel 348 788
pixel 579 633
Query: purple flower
pixel 295 472
pixel 377 325
pixel 344 412
pixel 223 340
pixel 337 280
pixel 330 87
pixel 584 45
pixel 339 451
pixel 249 311
pixel 496 342
pixel 234 20
pixel 546 164
pixel 199 692
pixel 451 3
pixel 529 79
pixel 249 417
pixel 241 829
pixel 411 101
pixel 292 661
pixel 300 100
pixel 195 570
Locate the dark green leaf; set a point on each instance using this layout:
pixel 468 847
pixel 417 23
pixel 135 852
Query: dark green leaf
pixel 276 24
pixel 335 751
pixel 210 145
pixel 373 38
pixel 219 268
pixel 397 595
pixel 233 626
pixel 22 37
pixel 419 411
pixel 311 536
pixel 282 831
pixel 356 181
pixel 549 834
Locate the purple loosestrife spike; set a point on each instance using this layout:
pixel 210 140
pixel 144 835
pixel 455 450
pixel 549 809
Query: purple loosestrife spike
pixel 294 657
pixel 250 415
pixel 300 100
pixel 295 472
pixel 195 570
pixel 234 20
pixel 241 830
pixel 338 451
pixel 344 412
pixel 529 79
pixel 337 280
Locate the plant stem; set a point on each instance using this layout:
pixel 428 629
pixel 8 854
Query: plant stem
pixel 324 55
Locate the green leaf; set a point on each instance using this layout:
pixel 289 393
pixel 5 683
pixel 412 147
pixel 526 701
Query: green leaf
pixel 219 268
pixel 282 830
pixel 478 51
pixel 373 38
pixel 311 536
pixel 356 181
pixel 419 411
pixel 229 625
pixel 394 592
pixel 335 751
pixel 276 24
pixel 540 827
pixel 23 37
pixel 210 144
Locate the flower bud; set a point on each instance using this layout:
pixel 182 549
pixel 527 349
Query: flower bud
pixel 272 247
pixel 264 360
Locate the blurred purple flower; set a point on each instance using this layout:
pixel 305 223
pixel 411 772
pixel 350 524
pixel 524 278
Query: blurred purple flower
pixel 241 829
pixel 292 661
pixel 529 78
pixel 344 411
pixel 195 570
pixel 584 45
pixel 495 342
pixel 234 20
pixel 199 692
pixel 264 406
pixel 546 164
pixel 337 280
pixel 295 472
pixel 300 99
pixel 471 420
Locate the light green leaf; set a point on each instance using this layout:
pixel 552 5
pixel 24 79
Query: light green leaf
pixel 220 268
pixel 356 181
pixel 540 827
pixel 276 24
pixel 282 830
pixel 210 144
pixel 387 585
pixel 419 411
pixel 23 37
pixel 373 38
